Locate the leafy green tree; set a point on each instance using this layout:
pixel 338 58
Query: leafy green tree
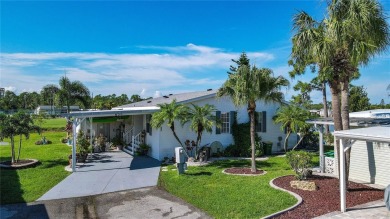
pixel 202 119
pixel 10 101
pixel 48 94
pixel 248 85
pixel 24 126
pixel 70 91
pixel 135 98
pixel 169 113
pixel 243 60
pixel 358 99
pixel 13 125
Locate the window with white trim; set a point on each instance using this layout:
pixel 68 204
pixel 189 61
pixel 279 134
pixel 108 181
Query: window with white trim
pixel 225 122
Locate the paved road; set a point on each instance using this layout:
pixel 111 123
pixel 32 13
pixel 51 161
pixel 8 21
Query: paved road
pixel 140 203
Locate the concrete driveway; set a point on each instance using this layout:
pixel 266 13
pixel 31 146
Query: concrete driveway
pixel 107 172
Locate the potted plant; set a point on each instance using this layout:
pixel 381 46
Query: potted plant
pixel 117 142
pixel 143 149
pixel 101 143
pixel 82 146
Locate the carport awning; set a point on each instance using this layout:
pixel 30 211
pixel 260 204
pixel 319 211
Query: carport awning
pixel 111 113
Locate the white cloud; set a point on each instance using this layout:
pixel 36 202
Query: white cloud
pixel 10 88
pixel 106 73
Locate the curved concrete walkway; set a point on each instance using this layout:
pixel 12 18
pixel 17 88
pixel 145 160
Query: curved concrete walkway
pixel 107 172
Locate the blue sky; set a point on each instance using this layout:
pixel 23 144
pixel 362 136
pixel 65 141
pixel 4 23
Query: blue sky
pixel 154 47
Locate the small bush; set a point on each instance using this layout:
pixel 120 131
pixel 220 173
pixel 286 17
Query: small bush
pixel 300 161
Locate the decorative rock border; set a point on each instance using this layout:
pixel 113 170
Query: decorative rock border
pixel 21 166
pixel 263 173
pixel 299 199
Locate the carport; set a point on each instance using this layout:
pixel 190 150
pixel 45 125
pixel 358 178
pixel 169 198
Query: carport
pixel 378 134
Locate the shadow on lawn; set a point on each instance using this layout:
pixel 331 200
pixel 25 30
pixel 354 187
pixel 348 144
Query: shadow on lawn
pixel 10 190
pixel 199 174
pixel 240 163
pixel 53 163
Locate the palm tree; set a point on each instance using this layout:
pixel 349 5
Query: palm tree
pixel 202 119
pixel 351 35
pixel 24 127
pixel 249 84
pixel 292 119
pixel 169 112
pixel 70 91
pixel 48 92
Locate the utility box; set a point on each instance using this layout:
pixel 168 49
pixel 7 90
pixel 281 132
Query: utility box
pixel 180 159
pixel 179 154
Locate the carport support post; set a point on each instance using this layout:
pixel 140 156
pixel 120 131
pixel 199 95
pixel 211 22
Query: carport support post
pixel 74 147
pixel 90 133
pixel 342 177
pixel 322 158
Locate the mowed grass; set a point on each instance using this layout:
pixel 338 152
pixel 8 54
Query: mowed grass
pixel 27 185
pixel 57 124
pixel 229 196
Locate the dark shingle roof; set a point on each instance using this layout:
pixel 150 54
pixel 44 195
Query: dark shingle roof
pixel 180 98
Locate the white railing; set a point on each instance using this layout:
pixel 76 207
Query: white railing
pixel 136 141
pixel 128 134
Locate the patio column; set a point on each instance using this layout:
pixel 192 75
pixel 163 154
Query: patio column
pixel 74 146
pixel 342 177
pixel 90 133
pixel 322 158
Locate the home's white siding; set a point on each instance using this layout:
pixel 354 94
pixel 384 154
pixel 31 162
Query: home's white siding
pixel 370 162
pixel 224 104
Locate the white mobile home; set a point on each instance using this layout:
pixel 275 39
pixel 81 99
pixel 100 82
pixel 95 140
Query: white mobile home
pixel 131 123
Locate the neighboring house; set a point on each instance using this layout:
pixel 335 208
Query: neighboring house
pixel 132 123
pixel 369 159
pixel 53 110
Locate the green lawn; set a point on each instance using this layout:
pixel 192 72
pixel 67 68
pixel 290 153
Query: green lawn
pixel 27 185
pixel 228 196
pixel 57 124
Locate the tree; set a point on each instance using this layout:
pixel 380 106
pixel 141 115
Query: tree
pixel 70 91
pixel 358 99
pixel 169 113
pixel 135 98
pixel 24 126
pixel 248 85
pixel 319 83
pixel 48 93
pixel 202 119
pixel 351 34
pixel 292 119
pixel 303 99
pixel 13 125
pixel 243 60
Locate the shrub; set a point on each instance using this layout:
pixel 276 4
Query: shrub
pixel 300 161
pixel 242 142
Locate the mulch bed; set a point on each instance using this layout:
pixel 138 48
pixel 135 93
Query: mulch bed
pixel 19 165
pixel 238 170
pixel 327 198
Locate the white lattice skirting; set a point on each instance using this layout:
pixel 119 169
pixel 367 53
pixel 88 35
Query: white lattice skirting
pixel 330 165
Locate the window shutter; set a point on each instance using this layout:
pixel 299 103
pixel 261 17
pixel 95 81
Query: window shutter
pixel 264 128
pixel 218 118
pixel 258 119
pixel 231 120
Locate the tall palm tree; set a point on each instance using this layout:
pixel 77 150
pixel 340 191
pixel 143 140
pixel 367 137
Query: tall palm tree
pixel 48 92
pixel 351 34
pixel 169 113
pixel 202 119
pixel 292 119
pixel 249 84
pixel 70 91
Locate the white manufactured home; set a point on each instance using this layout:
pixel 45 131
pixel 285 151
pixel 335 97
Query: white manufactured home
pixel 131 123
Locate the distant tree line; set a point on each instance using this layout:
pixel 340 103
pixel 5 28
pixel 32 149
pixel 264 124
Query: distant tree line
pixel 67 93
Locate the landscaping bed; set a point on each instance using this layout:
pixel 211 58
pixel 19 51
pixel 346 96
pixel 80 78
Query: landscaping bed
pixel 326 198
